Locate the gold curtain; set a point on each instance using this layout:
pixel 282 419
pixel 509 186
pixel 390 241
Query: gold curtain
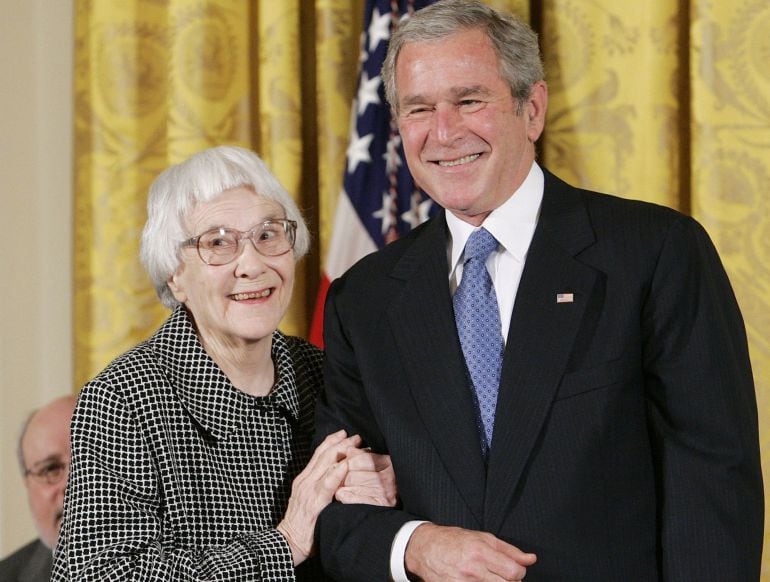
pixel 663 101
pixel 730 167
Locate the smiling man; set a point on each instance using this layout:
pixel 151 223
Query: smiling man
pixel 561 377
pixel 44 457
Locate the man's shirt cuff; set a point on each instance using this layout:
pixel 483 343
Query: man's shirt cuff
pixel 398 550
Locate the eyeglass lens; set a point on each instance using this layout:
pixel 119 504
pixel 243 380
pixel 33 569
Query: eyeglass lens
pixel 50 473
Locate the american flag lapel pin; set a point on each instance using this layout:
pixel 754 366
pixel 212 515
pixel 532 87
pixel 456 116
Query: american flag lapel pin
pixel 565 297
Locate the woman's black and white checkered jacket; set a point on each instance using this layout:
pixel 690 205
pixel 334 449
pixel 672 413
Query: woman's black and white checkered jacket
pixel 176 474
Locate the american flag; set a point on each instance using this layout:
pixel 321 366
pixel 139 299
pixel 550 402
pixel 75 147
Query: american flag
pixel 379 201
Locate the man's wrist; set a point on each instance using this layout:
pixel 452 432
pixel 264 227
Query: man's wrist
pixel 398 550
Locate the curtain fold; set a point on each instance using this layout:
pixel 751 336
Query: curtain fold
pixel 663 101
pixel 615 96
pixel 338 42
pixel 280 68
pixel 730 161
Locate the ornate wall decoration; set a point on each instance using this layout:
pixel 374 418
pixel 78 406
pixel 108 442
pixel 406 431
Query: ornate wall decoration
pixel 613 107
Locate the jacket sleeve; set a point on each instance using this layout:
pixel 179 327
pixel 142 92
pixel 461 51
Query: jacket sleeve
pixel 112 512
pixel 354 541
pixel 702 415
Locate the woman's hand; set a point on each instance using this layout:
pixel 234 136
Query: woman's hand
pixel 313 489
pixel 370 479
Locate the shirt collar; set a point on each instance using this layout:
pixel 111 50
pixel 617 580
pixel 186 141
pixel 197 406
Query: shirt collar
pixel 205 390
pixel 521 209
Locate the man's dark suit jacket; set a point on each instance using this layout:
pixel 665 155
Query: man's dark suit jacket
pixel 625 443
pixel 32 563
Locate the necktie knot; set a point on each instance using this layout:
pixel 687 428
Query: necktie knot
pixel 480 244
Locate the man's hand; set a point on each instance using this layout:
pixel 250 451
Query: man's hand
pixel 440 553
pixel 370 479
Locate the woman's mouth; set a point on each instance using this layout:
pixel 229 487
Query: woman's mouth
pixel 252 295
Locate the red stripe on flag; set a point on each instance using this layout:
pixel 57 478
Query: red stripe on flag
pixel 316 335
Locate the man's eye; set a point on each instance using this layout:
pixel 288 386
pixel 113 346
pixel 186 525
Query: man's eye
pixel 417 111
pixel 53 469
pixel 470 104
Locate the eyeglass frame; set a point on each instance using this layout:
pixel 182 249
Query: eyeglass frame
pixel 60 468
pixel 289 227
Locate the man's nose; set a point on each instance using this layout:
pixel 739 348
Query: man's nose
pixel 448 123
pixel 58 488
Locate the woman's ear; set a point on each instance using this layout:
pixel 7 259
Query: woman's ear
pixel 176 284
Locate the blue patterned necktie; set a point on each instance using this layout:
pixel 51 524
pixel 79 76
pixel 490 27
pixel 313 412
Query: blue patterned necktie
pixel 478 324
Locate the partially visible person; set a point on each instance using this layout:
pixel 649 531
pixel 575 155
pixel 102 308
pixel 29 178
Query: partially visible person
pixel 191 453
pixel 44 457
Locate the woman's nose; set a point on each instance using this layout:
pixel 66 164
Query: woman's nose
pixel 249 261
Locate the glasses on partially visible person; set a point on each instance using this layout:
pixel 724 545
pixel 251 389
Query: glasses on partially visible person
pixel 50 472
pixel 220 246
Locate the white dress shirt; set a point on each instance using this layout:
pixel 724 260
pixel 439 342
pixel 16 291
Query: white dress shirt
pixel 513 225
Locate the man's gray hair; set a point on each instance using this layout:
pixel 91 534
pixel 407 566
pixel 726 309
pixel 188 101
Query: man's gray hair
pixel 179 189
pixel 512 39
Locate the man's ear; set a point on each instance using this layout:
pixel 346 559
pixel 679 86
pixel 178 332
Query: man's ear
pixel 536 106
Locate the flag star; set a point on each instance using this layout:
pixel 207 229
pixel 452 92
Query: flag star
pixel 379 29
pixel 418 211
pixel 386 213
pixel 358 150
pixel 367 92
pixel 391 156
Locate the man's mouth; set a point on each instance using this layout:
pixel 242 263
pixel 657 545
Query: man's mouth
pixel 458 161
pixel 252 295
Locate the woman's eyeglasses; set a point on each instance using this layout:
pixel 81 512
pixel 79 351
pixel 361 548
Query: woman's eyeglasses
pixel 220 246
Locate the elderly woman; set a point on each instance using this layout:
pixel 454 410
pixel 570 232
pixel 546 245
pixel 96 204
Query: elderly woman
pixel 191 452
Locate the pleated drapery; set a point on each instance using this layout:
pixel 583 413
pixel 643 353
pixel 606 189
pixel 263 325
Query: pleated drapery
pixel 665 101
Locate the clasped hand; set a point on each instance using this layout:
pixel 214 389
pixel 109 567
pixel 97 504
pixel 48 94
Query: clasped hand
pixel 338 468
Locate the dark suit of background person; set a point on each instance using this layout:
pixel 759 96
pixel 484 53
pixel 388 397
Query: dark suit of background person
pixel 625 442
pixel 43 452
pixel 31 563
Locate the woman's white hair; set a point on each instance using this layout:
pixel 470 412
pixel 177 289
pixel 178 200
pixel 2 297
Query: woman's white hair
pixel 179 189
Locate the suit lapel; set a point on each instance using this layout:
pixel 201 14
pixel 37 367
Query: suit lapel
pixel 540 340
pixel 422 321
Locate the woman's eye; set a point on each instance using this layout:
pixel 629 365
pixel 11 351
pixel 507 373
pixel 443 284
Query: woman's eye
pixel 218 242
pixel 267 234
